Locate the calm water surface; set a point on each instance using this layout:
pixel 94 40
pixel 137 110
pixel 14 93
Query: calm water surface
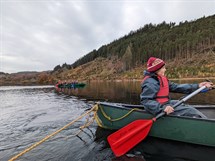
pixel 28 114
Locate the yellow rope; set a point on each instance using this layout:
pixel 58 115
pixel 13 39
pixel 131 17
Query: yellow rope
pixel 117 119
pixel 99 122
pixel 87 124
pixel 95 108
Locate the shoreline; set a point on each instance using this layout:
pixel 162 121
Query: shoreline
pixel 112 80
pixel 133 80
pixel 193 78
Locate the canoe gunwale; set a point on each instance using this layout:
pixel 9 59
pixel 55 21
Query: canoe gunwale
pixel 126 106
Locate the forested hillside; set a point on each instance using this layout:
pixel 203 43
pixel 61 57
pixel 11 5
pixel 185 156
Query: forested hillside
pixel 188 48
pixel 164 40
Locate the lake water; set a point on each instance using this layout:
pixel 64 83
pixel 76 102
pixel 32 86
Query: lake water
pixel 30 113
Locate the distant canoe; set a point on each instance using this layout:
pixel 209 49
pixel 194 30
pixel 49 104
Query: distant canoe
pixel 79 85
pixel 59 87
pixel 184 129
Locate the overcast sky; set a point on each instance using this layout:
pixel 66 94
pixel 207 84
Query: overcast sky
pixel 37 35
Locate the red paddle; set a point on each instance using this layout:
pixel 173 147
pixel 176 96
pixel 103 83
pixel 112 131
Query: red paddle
pixel 130 135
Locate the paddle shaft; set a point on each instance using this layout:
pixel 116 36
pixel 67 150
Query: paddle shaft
pixel 182 101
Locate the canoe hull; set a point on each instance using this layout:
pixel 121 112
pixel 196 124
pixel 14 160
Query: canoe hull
pixel 79 85
pixel 165 150
pixel 183 129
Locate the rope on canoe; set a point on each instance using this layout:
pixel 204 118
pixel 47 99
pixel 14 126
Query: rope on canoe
pixel 93 109
pixel 88 122
pixel 117 119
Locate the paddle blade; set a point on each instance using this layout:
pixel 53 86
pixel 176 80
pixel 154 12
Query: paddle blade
pixel 130 135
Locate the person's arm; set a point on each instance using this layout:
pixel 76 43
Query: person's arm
pixel 182 88
pixel 148 95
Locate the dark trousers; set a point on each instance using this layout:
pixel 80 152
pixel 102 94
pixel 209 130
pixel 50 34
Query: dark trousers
pixel 186 110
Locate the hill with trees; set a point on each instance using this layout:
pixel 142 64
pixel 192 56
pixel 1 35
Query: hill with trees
pixel 188 48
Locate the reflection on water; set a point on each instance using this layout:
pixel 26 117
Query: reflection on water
pixel 129 92
pixel 108 91
pixel 28 114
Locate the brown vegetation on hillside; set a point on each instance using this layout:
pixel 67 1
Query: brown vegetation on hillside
pixel 26 78
pixel 113 69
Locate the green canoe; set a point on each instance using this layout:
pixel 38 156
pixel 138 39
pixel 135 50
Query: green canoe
pixel 70 85
pixel 184 129
pixel 79 85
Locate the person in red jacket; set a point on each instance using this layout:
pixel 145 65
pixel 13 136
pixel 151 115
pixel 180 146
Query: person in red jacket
pixel 156 87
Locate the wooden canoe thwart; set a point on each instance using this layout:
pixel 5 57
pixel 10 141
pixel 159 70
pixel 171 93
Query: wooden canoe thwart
pixel 179 128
